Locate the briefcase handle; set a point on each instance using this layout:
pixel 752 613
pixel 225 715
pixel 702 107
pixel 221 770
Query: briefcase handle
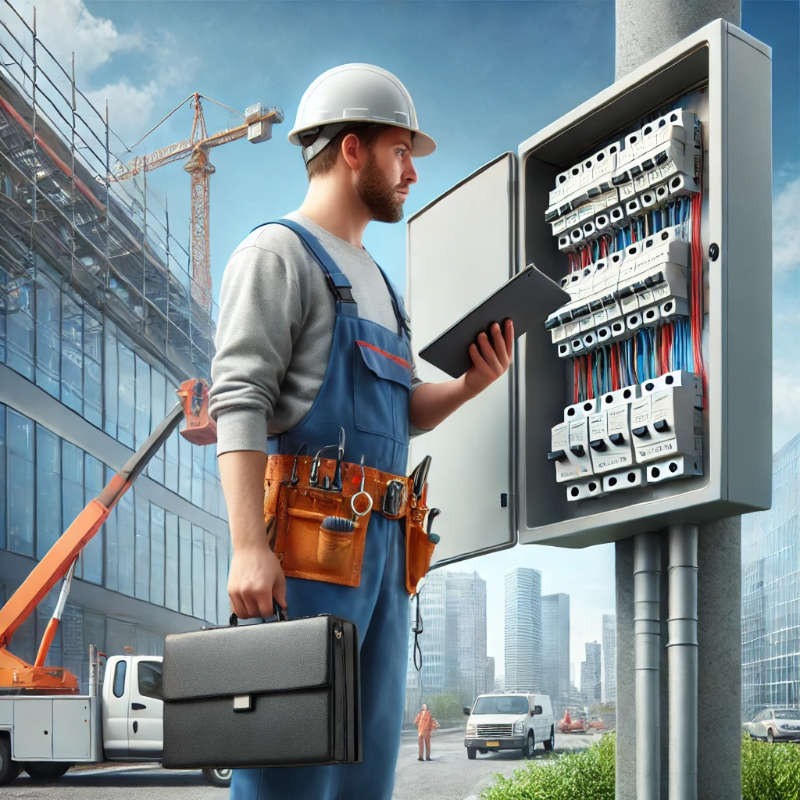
pixel 278 611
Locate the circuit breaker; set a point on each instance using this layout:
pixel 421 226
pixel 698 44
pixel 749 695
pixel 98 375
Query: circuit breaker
pixel 644 398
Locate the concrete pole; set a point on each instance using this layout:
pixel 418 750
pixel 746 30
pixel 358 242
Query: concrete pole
pixel 644 29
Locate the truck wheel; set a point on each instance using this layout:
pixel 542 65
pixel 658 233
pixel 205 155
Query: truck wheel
pixel 528 747
pixel 550 743
pixel 46 770
pixel 218 776
pixel 471 753
pixel 8 769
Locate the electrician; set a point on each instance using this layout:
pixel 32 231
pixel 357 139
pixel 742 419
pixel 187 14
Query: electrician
pixel 311 337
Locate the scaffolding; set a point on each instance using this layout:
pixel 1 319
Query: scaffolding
pixel 110 241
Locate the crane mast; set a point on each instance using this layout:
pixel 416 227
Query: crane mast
pixel 257 127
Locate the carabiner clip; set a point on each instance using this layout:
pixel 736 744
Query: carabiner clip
pixel 356 512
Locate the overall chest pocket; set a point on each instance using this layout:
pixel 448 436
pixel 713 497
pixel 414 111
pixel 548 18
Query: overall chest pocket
pixel 381 385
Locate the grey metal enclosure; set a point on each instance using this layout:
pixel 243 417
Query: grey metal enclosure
pixel 470 240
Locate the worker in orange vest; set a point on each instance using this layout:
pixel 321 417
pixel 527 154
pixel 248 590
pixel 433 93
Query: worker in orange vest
pixel 425 725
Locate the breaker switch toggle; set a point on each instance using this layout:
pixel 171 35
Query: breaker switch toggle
pixel 556 455
pixel 641 432
pixel 617 438
pixel 661 426
pixel 578 450
pixel 598 445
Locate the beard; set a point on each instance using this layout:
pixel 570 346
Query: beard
pixel 377 195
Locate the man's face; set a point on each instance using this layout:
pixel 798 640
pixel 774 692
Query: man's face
pixel 383 182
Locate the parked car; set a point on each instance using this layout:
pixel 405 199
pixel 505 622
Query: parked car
pixel 775 724
pixel 514 721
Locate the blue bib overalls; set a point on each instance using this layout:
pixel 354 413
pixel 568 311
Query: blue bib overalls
pixel 366 390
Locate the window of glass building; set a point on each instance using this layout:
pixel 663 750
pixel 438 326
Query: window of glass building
pixel 2 477
pixel 127 393
pixel 185 549
pixel 198 572
pixel 111 386
pixel 172 445
pixel 125 542
pixel 142 402
pixel 142 551
pixel 18 307
pixel 158 401
pixel 48 490
pixel 71 487
pixel 48 333
pixel 92 555
pixel 92 372
pixel 156 554
pixel 223 558
pixel 20 476
pixel 198 474
pixel 171 585
pixel 71 351
pixel 210 577
pixel 184 468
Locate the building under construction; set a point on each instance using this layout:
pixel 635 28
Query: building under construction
pixel 100 320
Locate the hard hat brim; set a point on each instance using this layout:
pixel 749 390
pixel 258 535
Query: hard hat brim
pixel 422 144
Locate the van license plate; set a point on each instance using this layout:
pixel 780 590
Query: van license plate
pixel 493 744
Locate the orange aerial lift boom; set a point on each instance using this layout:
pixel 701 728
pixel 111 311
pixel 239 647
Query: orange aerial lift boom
pixel 16 675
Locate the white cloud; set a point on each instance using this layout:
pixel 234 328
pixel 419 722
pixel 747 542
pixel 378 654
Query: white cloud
pixel 130 107
pixel 786 227
pixel 65 26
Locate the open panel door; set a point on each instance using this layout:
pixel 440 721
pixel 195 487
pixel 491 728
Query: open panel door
pixel 461 248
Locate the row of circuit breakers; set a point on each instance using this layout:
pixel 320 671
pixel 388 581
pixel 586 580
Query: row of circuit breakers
pixel 650 431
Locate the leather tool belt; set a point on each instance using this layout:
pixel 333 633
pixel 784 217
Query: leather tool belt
pixel 318 529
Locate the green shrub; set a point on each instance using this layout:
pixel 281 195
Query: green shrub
pixel 770 771
pixel 586 775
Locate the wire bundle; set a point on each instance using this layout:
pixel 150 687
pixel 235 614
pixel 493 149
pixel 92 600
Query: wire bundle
pixel 647 354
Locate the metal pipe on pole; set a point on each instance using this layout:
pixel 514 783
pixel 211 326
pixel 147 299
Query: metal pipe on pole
pixel 647 635
pixel 682 661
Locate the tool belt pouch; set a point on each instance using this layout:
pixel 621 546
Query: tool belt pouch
pixel 305 547
pixel 276 694
pixel 419 548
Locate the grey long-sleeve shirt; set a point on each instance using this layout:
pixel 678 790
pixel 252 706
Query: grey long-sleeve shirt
pixel 276 327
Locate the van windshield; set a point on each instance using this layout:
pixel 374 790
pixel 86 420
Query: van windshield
pixel 502 704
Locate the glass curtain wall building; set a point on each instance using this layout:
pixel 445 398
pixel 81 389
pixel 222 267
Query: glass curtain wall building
pixel 99 323
pixel 555 650
pixel 771 592
pixel 523 630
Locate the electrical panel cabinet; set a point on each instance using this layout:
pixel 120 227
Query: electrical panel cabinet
pixel 646 399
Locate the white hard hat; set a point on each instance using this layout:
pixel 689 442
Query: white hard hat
pixel 353 93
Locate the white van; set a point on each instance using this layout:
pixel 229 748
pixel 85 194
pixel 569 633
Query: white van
pixel 511 721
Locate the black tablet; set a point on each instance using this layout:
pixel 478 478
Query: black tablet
pixel 527 299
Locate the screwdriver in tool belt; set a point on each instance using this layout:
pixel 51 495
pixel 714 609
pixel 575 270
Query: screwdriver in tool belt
pixel 432 514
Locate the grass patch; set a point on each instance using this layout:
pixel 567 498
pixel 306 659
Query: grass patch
pixel 769 772
pixel 588 774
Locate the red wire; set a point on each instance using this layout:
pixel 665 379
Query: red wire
pixel 589 384
pixel 574 380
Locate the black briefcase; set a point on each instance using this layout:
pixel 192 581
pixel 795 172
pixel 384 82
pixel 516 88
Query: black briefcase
pixel 274 694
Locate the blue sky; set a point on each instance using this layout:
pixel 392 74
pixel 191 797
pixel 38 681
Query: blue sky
pixel 484 76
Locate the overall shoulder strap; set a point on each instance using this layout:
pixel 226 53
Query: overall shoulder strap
pixel 397 304
pixel 338 283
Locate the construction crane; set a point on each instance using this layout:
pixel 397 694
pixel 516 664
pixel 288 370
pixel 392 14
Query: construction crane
pixel 257 127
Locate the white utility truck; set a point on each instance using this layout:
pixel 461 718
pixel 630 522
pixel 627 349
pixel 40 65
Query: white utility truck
pixel 121 720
